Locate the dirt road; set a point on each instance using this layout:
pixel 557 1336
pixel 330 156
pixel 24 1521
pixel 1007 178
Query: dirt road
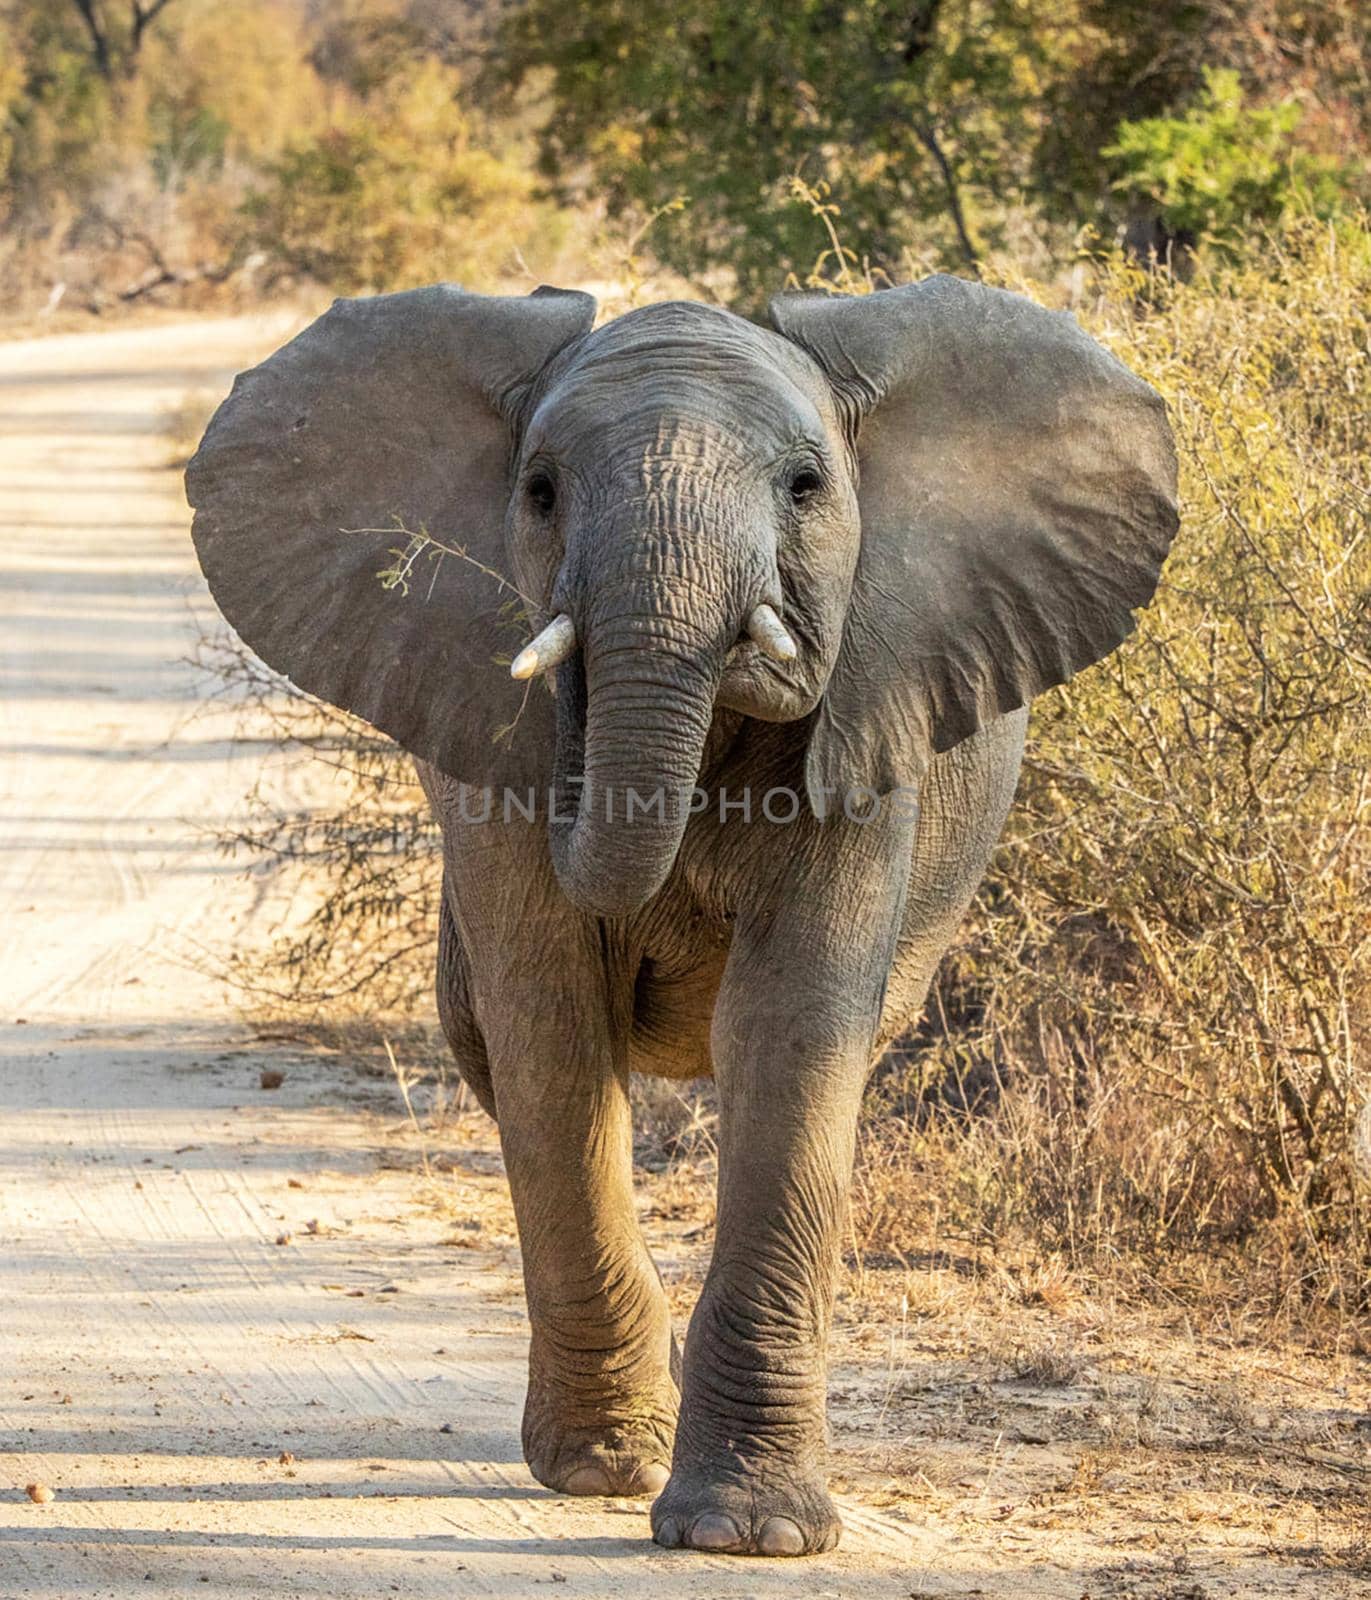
pixel 162 1357
pixel 253 1352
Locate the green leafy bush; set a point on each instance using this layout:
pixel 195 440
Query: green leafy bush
pixel 1224 167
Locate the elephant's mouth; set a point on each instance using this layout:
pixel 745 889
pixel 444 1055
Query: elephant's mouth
pixel 771 691
pixel 636 707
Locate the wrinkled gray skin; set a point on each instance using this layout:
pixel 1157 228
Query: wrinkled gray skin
pixel 954 500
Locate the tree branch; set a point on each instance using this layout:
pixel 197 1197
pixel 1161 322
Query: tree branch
pixel 99 39
pixel 919 38
pixel 141 19
pixel 929 139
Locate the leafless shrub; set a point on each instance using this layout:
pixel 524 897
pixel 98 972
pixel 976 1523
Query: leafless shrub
pixel 373 854
pixel 1154 1027
pixel 1145 1058
pixel 1057 1364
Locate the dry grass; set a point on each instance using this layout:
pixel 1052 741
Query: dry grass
pixel 1143 1069
pixel 1147 1054
pixel 1030 1433
pixel 184 425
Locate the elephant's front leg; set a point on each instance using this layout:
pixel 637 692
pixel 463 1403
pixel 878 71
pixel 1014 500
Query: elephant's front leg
pixel 601 1404
pixel 793 1035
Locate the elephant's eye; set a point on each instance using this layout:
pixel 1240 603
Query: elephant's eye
pixel 804 484
pixel 542 492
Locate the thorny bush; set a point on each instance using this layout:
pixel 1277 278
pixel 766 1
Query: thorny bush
pixel 1148 1048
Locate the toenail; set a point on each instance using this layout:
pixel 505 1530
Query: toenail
pixel 667 1532
pixel 587 1480
pixel 714 1531
pixel 779 1536
pixel 651 1478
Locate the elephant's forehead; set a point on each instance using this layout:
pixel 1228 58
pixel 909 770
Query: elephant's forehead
pixel 687 365
pixel 675 326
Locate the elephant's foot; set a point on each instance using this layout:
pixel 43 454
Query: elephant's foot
pixel 622 1447
pixel 743 1516
pixel 611 1459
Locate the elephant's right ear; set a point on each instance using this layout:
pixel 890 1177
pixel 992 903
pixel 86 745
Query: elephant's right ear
pixel 388 417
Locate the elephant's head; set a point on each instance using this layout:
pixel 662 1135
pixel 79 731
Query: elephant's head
pixel 902 514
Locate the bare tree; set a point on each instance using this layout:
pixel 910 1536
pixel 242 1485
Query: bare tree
pixel 116 50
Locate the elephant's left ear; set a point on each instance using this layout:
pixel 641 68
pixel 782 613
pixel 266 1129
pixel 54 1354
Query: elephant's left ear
pixel 1018 498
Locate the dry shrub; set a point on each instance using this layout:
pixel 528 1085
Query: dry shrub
pixel 370 854
pixel 399 188
pixel 184 424
pixel 249 145
pixel 1150 1041
pixel 1146 1054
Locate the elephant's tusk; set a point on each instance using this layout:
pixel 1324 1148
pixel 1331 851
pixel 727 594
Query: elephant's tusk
pixel 549 649
pixel 766 629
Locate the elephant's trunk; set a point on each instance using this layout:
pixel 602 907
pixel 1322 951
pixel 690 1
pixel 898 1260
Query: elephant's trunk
pixel 633 716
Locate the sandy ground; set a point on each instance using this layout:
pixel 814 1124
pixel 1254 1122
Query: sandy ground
pixel 162 1356
pixel 254 1350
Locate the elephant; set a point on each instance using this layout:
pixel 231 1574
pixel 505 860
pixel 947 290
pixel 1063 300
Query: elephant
pixel 791 590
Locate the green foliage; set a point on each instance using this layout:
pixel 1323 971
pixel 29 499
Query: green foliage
pixel 57 111
pixel 232 81
pixel 1116 59
pixel 186 145
pixel 950 131
pixel 1225 166
pixel 945 129
pixel 235 143
pixel 725 105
